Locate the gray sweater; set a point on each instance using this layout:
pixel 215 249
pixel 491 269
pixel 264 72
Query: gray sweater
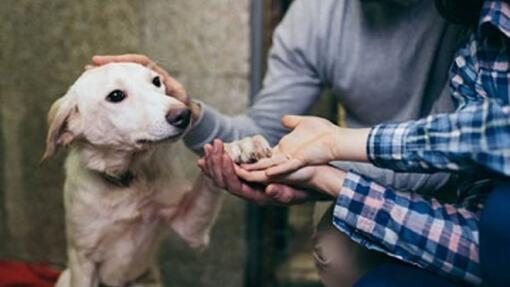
pixel 384 61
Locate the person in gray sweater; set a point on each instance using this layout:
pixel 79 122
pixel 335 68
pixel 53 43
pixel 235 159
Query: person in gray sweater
pixel 384 60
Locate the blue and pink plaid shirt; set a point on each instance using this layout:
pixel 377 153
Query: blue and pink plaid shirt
pixel 473 142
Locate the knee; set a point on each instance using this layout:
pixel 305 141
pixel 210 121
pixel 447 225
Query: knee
pixel 339 260
pixel 333 268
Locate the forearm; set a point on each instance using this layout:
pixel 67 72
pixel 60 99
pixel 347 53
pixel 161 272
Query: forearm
pixel 291 85
pixel 474 139
pixel 211 124
pixel 350 144
pixel 423 183
pixel 328 180
pixel 440 237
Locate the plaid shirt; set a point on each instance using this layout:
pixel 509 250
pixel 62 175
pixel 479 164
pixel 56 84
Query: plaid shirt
pixel 473 140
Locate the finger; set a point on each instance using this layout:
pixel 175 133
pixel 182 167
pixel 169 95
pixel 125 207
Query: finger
pixel 175 89
pixel 266 162
pixel 132 58
pixel 279 193
pixel 285 194
pixel 156 68
pixel 217 162
pixel 207 151
pixel 208 160
pixel 170 81
pixel 202 166
pixel 240 189
pixel 255 195
pixel 291 121
pixel 258 176
pixel 232 182
pixel 286 167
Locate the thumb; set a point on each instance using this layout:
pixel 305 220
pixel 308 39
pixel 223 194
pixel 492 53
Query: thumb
pixel 291 121
pixel 99 59
pixel 275 191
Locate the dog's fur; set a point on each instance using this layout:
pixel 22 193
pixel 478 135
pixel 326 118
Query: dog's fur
pixel 118 192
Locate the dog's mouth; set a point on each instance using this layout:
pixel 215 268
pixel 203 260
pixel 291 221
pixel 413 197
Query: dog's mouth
pixel 146 142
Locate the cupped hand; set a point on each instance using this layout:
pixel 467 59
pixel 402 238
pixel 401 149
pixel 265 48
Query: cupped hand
pixel 322 179
pixel 312 141
pixel 221 169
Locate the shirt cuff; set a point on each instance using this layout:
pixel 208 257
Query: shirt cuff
pixel 387 145
pixel 201 131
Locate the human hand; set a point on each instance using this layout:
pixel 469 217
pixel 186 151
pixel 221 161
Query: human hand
pixel 323 179
pixel 312 141
pixel 221 169
pixel 173 87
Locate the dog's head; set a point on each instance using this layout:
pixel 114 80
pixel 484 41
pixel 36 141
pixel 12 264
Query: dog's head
pixel 121 106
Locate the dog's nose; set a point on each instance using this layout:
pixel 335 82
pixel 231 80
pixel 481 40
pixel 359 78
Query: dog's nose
pixel 179 118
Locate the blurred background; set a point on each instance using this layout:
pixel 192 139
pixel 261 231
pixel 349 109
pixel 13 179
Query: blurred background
pixel 217 49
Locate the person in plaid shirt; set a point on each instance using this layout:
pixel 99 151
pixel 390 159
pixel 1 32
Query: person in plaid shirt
pixel 473 142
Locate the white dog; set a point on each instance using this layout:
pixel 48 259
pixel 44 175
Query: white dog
pixel 118 193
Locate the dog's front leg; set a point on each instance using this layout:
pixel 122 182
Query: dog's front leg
pixel 198 210
pixel 197 213
pixel 83 270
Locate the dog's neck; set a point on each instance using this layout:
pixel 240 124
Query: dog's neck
pixel 118 167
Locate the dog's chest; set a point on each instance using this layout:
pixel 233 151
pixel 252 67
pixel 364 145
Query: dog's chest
pixel 100 219
pixel 118 229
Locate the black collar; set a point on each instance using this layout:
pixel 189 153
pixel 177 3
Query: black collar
pixel 124 180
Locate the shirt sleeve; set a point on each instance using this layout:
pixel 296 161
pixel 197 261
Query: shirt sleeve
pixel 442 238
pixel 475 138
pixel 291 85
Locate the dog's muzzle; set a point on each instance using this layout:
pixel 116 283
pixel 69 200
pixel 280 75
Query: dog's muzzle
pixel 179 118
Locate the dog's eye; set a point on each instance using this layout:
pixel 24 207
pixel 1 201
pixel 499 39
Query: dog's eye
pixel 156 82
pixel 116 96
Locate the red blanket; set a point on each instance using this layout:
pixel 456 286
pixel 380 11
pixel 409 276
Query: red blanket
pixel 27 274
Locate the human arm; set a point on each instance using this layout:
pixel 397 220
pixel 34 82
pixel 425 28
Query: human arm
pixel 291 84
pixel 222 170
pixel 440 237
pixel 474 138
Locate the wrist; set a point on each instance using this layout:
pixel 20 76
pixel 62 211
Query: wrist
pixel 328 180
pixel 196 110
pixel 350 144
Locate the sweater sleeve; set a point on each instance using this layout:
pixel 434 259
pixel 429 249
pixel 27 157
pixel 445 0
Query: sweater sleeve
pixel 291 85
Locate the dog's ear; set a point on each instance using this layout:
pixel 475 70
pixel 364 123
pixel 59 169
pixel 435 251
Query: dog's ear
pixel 59 133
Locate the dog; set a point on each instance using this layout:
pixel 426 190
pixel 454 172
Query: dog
pixel 119 126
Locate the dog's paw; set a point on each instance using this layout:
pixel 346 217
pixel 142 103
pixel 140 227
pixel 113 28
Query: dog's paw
pixel 248 150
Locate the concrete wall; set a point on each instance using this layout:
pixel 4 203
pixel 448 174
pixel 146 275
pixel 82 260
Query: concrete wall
pixel 45 44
